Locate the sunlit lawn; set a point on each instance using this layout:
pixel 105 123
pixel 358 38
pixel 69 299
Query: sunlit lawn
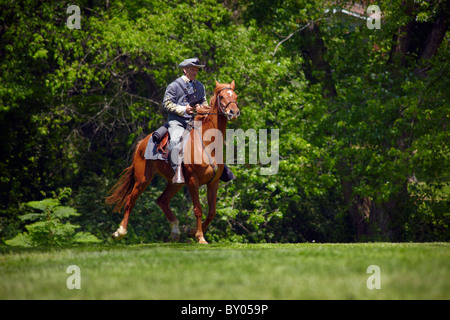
pixel 228 271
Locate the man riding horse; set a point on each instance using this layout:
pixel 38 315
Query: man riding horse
pixel 180 98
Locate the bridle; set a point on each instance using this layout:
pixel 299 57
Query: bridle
pixel 219 104
pixel 220 108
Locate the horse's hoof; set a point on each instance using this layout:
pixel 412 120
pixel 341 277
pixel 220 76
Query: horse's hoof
pixel 175 236
pixel 119 234
pixel 175 233
pixel 116 236
pixel 202 240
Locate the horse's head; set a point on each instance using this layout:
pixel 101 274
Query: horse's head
pixel 227 100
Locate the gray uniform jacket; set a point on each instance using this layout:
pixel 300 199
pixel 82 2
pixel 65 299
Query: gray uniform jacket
pixel 176 100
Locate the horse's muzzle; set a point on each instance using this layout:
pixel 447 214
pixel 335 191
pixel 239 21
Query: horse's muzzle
pixel 233 115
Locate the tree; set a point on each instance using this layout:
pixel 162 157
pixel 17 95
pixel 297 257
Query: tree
pixel 369 127
pixel 362 113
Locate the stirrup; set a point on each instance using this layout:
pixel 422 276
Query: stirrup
pixel 178 177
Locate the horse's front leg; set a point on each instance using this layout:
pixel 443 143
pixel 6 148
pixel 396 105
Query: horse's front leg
pixel 193 190
pixel 212 197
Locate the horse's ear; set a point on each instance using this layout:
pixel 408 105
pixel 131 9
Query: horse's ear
pixel 232 84
pixel 217 84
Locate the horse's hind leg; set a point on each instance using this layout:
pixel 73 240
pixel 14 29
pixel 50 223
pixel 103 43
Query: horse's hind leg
pixel 143 176
pixel 163 202
pixel 131 201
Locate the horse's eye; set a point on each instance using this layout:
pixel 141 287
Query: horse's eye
pixel 221 97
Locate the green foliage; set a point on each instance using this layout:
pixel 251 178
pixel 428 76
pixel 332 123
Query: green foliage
pixel 47 228
pixel 73 103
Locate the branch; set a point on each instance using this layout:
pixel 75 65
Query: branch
pixel 289 36
pixel 143 98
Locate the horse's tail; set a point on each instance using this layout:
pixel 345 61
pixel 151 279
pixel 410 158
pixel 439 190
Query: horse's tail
pixel 122 189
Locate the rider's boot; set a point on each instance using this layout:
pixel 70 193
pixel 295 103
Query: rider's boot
pixel 227 175
pixel 176 158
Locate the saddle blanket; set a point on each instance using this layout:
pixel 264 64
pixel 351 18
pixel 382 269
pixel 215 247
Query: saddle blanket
pixel 152 153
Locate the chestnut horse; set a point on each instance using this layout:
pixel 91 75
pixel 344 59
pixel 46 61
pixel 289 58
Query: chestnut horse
pixel 137 177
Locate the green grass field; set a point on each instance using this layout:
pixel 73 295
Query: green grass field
pixel 229 271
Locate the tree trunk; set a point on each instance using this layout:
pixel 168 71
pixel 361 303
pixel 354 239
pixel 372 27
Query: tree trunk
pixel 435 37
pixel 314 51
